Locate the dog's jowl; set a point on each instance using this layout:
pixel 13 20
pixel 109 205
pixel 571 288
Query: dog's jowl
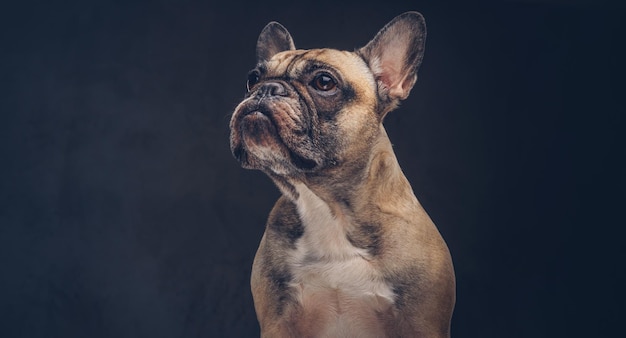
pixel 348 251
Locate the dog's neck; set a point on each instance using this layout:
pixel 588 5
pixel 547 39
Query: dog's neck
pixel 368 183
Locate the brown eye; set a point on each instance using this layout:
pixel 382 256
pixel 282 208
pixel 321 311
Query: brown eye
pixel 324 82
pixel 253 78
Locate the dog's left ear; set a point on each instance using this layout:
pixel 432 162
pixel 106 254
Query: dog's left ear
pixel 274 38
pixel 395 54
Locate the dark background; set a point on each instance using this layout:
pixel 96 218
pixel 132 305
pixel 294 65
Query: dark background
pixel 123 214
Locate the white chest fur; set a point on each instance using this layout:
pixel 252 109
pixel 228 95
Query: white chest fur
pixel 334 278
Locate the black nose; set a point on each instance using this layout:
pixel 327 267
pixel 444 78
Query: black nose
pixel 271 89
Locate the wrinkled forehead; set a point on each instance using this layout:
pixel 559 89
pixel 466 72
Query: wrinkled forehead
pixel 297 62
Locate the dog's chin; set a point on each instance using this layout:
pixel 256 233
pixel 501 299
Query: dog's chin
pixel 257 145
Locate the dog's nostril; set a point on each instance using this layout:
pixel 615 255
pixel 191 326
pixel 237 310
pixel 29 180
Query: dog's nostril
pixel 272 89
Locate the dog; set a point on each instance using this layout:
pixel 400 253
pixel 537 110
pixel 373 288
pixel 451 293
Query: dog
pixel 348 251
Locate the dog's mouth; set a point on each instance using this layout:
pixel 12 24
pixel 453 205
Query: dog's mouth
pixel 256 114
pixel 262 140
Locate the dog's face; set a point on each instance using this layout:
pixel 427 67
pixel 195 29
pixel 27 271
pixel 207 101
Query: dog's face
pixel 307 111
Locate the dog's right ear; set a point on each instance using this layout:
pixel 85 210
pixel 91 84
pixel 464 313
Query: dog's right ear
pixel 274 38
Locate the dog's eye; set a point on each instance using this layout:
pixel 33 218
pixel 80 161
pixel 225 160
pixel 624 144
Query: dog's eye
pixel 253 78
pixel 324 82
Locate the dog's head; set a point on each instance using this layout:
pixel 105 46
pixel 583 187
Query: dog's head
pixel 307 111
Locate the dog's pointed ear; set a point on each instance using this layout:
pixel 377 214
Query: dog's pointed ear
pixel 274 38
pixel 395 54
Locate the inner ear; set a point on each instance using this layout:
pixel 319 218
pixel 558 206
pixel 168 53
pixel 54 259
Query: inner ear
pixel 274 38
pixel 395 54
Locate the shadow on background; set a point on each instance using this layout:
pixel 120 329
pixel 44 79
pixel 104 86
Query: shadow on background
pixel 123 213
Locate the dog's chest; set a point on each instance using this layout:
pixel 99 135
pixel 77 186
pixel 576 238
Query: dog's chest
pixel 335 282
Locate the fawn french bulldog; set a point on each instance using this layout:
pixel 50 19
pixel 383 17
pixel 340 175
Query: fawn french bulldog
pixel 348 250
